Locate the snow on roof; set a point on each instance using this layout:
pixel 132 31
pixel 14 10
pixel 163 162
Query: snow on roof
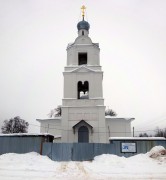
pixel 47 119
pixel 137 138
pixel 57 136
pixel 118 118
pixel 26 134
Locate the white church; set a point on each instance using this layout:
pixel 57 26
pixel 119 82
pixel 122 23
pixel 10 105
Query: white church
pixel 83 111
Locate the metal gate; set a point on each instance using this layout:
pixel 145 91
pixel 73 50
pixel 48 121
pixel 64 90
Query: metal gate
pixel 76 151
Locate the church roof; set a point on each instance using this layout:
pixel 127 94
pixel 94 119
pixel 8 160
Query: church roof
pixel 118 118
pixel 83 25
pixel 58 118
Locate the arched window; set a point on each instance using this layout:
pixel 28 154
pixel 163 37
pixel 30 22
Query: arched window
pixel 82 33
pixel 83 90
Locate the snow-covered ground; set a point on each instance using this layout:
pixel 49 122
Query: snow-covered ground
pixel 32 166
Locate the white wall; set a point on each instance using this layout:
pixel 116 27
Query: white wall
pixel 95 84
pixel 52 126
pixel 118 127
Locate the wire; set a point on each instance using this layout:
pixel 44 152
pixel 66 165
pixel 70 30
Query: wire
pixel 48 127
pixel 154 121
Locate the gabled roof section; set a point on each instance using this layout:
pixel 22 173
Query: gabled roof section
pixel 83 69
pixel 82 123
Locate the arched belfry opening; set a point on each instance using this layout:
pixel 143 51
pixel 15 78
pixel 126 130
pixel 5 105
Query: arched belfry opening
pixel 83 90
pixel 82 58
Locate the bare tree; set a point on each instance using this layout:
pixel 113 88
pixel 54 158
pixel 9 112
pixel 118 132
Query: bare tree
pixel 110 112
pixel 143 135
pixel 55 112
pixel 15 125
pixel 160 132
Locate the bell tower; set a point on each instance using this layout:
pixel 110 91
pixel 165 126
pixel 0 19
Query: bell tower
pixel 83 110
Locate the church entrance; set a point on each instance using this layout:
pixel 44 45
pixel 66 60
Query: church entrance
pixel 83 134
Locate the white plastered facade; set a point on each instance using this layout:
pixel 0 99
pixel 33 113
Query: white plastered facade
pixel 89 111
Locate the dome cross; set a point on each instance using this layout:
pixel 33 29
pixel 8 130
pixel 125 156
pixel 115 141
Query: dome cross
pixel 83 11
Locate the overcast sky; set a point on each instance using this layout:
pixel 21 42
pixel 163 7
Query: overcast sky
pixel 132 36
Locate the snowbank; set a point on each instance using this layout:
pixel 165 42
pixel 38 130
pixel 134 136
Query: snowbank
pixel 157 151
pixel 36 167
pixel 26 165
pixel 138 166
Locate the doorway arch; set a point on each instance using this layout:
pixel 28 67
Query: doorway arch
pixel 83 134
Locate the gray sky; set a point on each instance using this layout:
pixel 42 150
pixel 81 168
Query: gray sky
pixel 132 35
